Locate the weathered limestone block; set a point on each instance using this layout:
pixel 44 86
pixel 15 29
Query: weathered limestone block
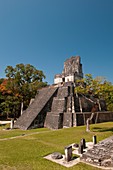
pixel 71 72
pixel 12 124
pixel 72 65
pixel 58 105
pixel 69 104
pixel 94 140
pixel 56 155
pixel 68 153
pixel 101 154
pixel 63 92
pixel 74 120
pixel 83 142
pixel 106 163
pixel 54 120
pixel 68 119
pixel 80 149
pixel 76 145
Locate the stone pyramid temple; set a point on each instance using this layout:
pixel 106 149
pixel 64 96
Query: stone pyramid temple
pixel 57 106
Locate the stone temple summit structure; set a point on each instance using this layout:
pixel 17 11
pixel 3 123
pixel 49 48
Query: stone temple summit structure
pixel 72 71
pixel 58 106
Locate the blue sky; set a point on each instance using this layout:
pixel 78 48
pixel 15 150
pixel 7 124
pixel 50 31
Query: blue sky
pixel 44 33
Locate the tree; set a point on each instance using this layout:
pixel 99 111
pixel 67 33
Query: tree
pixel 20 86
pixel 97 87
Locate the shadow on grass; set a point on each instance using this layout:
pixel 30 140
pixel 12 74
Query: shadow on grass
pixel 98 129
pixel 75 157
pixel 2 125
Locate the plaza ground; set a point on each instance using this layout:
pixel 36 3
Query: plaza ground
pixel 21 150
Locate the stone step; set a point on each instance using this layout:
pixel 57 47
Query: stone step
pixel 35 108
pixel 58 105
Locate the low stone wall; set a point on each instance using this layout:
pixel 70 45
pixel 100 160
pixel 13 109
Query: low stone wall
pixel 99 117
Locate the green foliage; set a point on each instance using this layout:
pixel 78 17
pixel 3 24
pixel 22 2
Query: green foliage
pixel 10 106
pixel 24 74
pixel 1 80
pixel 20 86
pixel 98 87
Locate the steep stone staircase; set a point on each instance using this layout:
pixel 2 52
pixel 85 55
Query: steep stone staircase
pixel 29 115
pixel 54 119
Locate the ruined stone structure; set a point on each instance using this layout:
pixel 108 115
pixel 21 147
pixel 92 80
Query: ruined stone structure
pixel 71 72
pixel 57 106
pixel 34 116
pixel 101 154
pixel 62 108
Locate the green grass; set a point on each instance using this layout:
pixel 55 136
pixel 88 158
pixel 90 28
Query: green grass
pixel 16 132
pixel 27 152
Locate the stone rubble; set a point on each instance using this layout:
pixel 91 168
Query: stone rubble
pixel 101 154
pixel 98 155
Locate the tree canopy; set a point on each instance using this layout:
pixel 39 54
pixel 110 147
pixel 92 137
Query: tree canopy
pixel 98 87
pixel 21 84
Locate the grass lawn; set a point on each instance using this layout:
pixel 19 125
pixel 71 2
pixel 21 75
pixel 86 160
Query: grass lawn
pixel 26 152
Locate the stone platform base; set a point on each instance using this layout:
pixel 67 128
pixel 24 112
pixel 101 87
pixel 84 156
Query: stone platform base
pixel 100 155
pixel 92 155
pixel 62 161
